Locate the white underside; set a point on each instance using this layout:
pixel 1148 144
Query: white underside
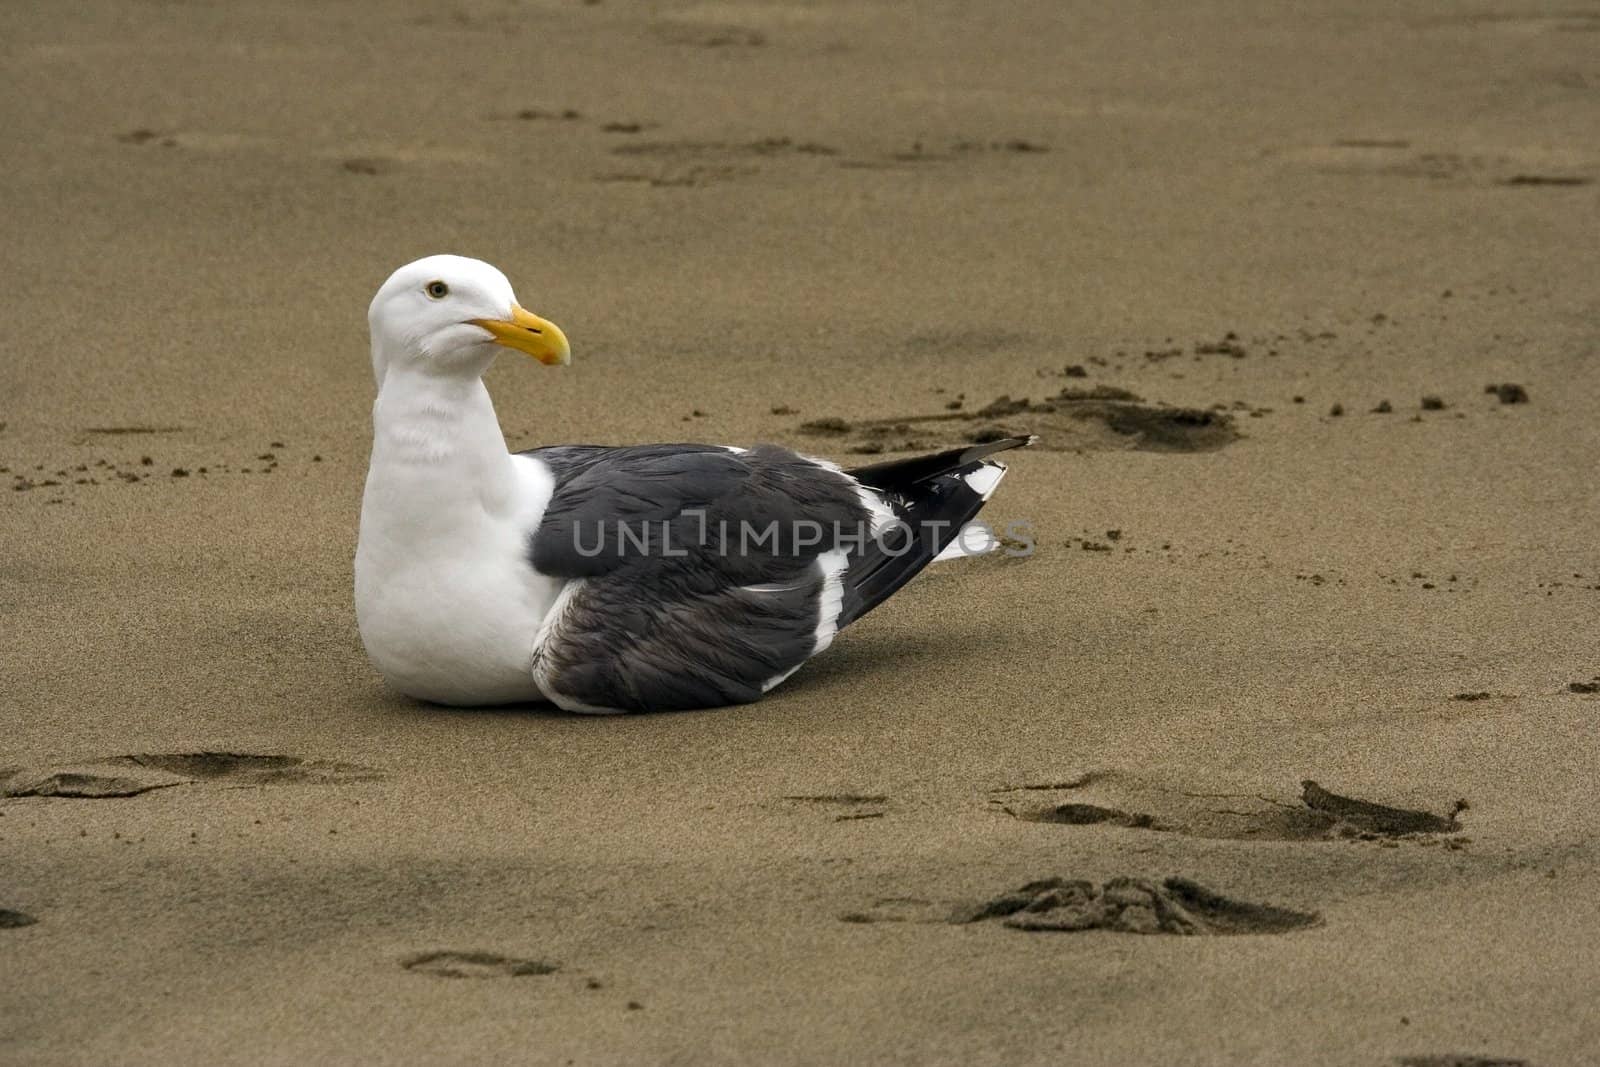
pixel 446 601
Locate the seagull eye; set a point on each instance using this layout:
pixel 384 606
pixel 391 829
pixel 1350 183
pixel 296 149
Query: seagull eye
pixel 436 290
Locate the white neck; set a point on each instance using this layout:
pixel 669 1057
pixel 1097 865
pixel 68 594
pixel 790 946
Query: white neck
pixel 441 430
pixel 447 604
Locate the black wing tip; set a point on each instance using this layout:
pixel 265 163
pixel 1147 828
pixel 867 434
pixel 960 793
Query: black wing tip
pixel 1004 444
pixel 914 470
pixel 935 509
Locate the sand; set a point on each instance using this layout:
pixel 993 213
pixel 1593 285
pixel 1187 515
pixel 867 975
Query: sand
pixel 861 213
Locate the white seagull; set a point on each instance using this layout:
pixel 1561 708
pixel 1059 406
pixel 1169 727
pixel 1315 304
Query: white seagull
pixel 609 579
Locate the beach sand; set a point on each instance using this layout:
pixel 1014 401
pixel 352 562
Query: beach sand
pixel 861 213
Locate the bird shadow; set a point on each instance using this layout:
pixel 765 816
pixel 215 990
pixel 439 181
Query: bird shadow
pixel 870 656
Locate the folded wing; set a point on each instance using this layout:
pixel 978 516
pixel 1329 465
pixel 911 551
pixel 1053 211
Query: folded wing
pixel 700 575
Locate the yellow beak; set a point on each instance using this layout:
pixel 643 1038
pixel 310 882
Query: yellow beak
pixel 527 332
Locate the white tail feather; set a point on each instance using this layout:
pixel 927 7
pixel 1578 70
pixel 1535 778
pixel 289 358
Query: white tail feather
pixel 975 539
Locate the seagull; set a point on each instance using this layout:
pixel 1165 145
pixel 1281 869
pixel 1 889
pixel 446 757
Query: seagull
pixel 606 579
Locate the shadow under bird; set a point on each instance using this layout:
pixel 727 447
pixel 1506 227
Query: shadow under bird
pixel 610 579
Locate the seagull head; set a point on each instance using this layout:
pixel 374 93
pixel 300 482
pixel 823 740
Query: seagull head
pixel 450 315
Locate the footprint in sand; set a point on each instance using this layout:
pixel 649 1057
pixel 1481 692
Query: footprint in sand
pixel 1102 418
pixel 120 431
pixel 451 964
pixel 1454 1059
pixel 1399 158
pixel 126 776
pixel 1119 799
pixel 536 114
pixel 692 163
pixel 765 147
pixel 898 910
pixel 1122 905
pixel 370 158
pixel 1557 180
pixel 377 158
pixel 1379 156
pixel 1509 22
pixel 368 166
pixel 197 140
pixel 709 35
pixel 921 152
pixel 678 177
pixel 849 807
pixel 1133 906
pixel 145 135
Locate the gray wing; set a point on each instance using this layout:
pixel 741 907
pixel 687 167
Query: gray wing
pixel 700 576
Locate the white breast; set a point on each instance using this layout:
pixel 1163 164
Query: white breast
pixel 447 602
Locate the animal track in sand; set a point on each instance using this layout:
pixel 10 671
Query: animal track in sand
pixel 145 135
pixel 66 477
pixel 1508 22
pixel 567 114
pixel 536 114
pixel 376 158
pixel 82 783
pixel 363 165
pixel 679 177
pixel 1363 816
pixel 452 964
pixel 898 910
pixel 1458 1059
pixel 1547 179
pixel 1102 418
pixel 126 776
pixel 857 805
pixel 1117 799
pixel 1399 158
pixel 674 155
pixel 1121 905
pixel 766 146
pixel 196 140
pixel 362 158
pixel 708 35
pixel 1133 906
pixel 694 163
pixel 738 25
pixel 918 152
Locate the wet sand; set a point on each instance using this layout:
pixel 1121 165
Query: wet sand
pixel 1175 241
